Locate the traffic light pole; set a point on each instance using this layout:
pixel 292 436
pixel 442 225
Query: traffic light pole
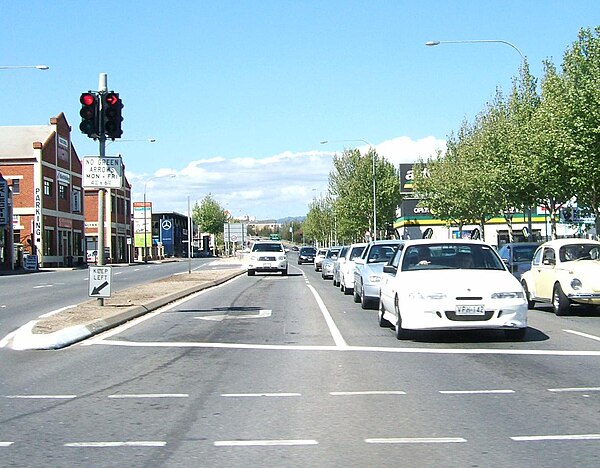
pixel 102 88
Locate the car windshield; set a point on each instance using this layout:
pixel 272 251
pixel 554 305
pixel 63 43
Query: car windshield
pixel 308 251
pixel 381 253
pixel 450 256
pixel 570 252
pixel 267 247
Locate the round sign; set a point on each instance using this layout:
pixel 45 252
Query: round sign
pixel 166 224
pixel 233 238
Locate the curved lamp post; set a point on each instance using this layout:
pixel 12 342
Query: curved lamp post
pixel 9 67
pixel 484 41
pixel 476 41
pixel 145 217
pixel 374 233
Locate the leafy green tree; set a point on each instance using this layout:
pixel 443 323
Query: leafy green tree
pixel 209 215
pixel 351 186
pixel 581 75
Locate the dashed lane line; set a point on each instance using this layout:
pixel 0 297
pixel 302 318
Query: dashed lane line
pixel 139 443
pixel 41 397
pixel 538 438
pixel 369 392
pixel 474 392
pixel 416 440
pixel 585 335
pixel 264 443
pixel 148 395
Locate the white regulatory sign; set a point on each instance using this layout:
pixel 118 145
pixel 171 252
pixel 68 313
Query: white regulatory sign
pixel 100 279
pixel 104 172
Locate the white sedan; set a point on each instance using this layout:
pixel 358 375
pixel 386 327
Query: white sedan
pixel 450 284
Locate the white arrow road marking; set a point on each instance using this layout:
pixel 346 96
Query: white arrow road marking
pixel 219 318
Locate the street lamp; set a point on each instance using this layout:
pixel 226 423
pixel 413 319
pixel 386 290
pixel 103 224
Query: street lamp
pixel 374 233
pixel 39 67
pixel 149 140
pixel 146 212
pixel 487 41
pixel 475 41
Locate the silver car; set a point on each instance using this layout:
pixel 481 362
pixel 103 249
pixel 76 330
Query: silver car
pixel 327 265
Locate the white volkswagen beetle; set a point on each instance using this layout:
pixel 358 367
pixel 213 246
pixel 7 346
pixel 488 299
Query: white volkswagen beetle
pixel 564 272
pixel 450 284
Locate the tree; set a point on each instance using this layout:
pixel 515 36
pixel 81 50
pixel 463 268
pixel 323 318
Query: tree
pixel 209 215
pixel 581 75
pixel 351 188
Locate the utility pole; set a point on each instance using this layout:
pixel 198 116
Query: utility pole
pixel 102 88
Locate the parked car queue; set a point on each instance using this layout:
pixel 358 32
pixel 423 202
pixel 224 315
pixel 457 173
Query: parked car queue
pixel 461 284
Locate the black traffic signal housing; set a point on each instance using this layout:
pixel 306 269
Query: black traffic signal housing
pixel 111 115
pixel 90 113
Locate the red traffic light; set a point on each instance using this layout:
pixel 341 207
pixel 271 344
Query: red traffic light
pixel 87 99
pixel 111 99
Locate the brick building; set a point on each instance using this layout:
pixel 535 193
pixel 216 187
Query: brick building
pixel 117 224
pixel 44 173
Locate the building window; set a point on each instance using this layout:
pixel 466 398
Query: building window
pixel 48 242
pixel 63 191
pixel 48 187
pixel 16 186
pixel 76 201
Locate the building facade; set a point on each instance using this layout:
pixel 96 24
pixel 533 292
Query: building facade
pixel 44 173
pixel 117 224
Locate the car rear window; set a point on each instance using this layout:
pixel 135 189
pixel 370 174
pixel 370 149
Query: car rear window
pixel 267 247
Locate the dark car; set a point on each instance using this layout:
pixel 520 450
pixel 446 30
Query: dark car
pixel 306 255
pixel 517 256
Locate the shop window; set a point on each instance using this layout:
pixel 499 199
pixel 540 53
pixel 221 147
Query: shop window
pixel 48 242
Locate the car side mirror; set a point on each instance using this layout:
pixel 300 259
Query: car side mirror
pixel 359 261
pixel 390 269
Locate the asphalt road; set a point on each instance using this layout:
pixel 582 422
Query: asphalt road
pixel 287 371
pixel 27 296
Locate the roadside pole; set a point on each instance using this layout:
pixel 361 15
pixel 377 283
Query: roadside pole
pixel 102 88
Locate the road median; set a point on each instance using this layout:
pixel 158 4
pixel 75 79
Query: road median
pixel 73 324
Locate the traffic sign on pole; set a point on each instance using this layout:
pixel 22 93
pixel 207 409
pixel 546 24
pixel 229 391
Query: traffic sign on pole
pixel 100 279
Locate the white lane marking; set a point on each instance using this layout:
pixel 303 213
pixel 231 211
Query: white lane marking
pixel 585 335
pixel 575 389
pixel 148 395
pixel 142 443
pixel 242 395
pixel 43 286
pixel 416 440
pixel 474 392
pixel 368 349
pixel 369 392
pixel 41 397
pixel 6 444
pixel 115 331
pixel 263 313
pixel 264 443
pixel 556 437
pixel 333 329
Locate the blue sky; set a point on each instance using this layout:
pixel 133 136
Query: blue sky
pixel 238 94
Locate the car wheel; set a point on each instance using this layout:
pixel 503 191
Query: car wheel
pixel 560 302
pixel 365 302
pixel 251 272
pixel 299 262
pixel 515 334
pixel 284 272
pixel 401 333
pixel 356 296
pixel 530 303
pixel 383 323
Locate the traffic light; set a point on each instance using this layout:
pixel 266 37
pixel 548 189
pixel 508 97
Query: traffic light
pixel 89 115
pixel 111 112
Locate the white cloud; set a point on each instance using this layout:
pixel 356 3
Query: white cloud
pixel 269 187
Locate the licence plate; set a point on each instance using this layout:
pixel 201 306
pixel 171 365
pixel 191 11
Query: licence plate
pixel 470 310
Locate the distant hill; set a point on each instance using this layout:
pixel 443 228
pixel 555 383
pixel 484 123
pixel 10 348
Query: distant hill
pixel 289 219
